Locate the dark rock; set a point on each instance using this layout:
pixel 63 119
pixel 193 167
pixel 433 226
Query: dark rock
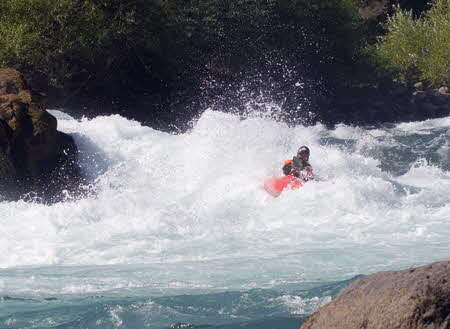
pixel 411 108
pixel 399 90
pixel 32 151
pixel 443 110
pixel 324 100
pixel 419 96
pixel 411 299
pixel 8 172
pixel 348 101
pixel 429 108
pixel 446 107
pixel 439 99
pixel 379 103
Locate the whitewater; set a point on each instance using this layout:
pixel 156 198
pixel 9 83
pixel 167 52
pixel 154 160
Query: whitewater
pixel 176 228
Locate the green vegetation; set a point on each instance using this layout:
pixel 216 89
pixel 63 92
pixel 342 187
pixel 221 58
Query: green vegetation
pixel 123 42
pixel 83 41
pixel 418 49
pixel 120 45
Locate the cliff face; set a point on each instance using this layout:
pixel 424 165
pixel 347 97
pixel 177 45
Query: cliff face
pixel 33 153
pixel 417 298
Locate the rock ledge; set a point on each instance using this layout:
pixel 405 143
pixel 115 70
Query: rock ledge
pixel 417 298
pixel 34 155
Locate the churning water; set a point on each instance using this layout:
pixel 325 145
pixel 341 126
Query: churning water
pixel 177 228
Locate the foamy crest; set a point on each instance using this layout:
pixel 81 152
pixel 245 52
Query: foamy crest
pixel 197 198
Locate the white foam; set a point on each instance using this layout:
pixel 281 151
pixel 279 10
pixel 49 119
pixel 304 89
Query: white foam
pixel 297 305
pixel 425 125
pixel 197 197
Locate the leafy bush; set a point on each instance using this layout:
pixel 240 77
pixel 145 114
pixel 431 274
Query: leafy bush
pixel 418 48
pixel 102 43
pixel 83 40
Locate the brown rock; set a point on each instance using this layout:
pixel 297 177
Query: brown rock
pixel 11 82
pixel 31 148
pixel 417 298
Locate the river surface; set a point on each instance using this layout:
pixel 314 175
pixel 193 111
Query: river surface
pixel 175 230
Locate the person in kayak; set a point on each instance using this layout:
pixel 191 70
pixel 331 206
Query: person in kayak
pixel 299 165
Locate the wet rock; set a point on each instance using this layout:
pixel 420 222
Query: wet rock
pixel 440 99
pixel 395 102
pixel 444 90
pixel 8 171
pixel 379 103
pixel 429 108
pixel 419 86
pixel 399 90
pixel 32 151
pixel 418 298
pixel 446 109
pixel 419 96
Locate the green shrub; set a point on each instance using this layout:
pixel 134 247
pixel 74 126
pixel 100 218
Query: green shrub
pixel 418 48
pixel 103 43
pixel 82 40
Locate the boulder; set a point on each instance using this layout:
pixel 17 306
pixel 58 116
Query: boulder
pixel 444 90
pixel 439 98
pixel 32 151
pixel 419 86
pixel 399 90
pixel 417 298
pixel 419 96
pixel 429 108
pixel 7 164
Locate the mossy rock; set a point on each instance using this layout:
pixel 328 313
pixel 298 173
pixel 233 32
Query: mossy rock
pixel 11 82
pixel 31 148
pixel 43 123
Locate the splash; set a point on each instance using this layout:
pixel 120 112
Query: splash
pixel 174 203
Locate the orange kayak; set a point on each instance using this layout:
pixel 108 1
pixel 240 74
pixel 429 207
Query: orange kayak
pixel 274 186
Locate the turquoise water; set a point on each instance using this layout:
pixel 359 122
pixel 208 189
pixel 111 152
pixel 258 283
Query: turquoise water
pixel 256 308
pixel 175 231
pixel 282 306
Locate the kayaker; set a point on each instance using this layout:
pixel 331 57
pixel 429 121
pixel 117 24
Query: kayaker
pixel 299 165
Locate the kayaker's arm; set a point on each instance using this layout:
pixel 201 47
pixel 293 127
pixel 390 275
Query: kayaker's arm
pixel 287 168
pixel 307 174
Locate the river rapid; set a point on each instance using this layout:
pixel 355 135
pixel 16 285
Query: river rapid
pixel 175 230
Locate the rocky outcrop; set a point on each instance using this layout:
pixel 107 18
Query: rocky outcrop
pixel 417 298
pixel 33 153
pixel 387 103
